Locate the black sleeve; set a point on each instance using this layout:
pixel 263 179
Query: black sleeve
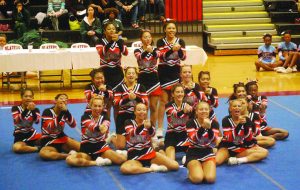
pixel 120 43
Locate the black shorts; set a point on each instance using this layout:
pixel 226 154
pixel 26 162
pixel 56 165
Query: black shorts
pixel 121 118
pixel 22 137
pixel 200 154
pixel 236 149
pixel 149 80
pixel 177 140
pixel 142 155
pixel 94 150
pixel 168 76
pixel 113 76
pixel 48 142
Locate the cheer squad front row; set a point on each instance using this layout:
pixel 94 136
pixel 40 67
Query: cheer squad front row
pixel 192 124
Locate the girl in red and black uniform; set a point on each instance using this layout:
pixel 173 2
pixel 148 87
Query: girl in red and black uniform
pixel 192 90
pixel 98 88
pixel 140 152
pixel 203 135
pixel 172 51
pixel 210 92
pixel 259 106
pixel 178 113
pixel 147 57
pixel 238 145
pixel 54 140
pixel 263 141
pixel 24 116
pixel 93 148
pixel 126 96
pixel 110 50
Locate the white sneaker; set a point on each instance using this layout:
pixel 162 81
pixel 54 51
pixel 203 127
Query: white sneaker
pixel 103 161
pixel 294 68
pixel 158 168
pixel 72 152
pixel 110 137
pixel 232 161
pixel 288 70
pixel 183 160
pixel 278 68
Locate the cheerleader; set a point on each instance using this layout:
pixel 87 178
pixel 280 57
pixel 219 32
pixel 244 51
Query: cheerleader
pixel 126 96
pixel 54 141
pixel 98 88
pixel 266 55
pixel 210 92
pixel 239 91
pixel 178 113
pixel 147 57
pixel 238 140
pixel 263 141
pixel 24 116
pixel 140 152
pixel 93 149
pixel 192 90
pixel 203 135
pixel 110 50
pixel 260 106
pixel 172 51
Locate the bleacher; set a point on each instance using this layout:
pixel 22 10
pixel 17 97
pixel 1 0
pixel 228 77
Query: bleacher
pixel 236 27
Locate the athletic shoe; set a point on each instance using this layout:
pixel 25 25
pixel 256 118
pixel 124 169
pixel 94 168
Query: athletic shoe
pixel 158 168
pixel 103 161
pixel 295 68
pixel 122 152
pixel 278 68
pixel 288 70
pixel 183 160
pixel 232 161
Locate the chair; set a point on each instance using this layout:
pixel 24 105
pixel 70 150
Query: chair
pixel 13 78
pixel 137 44
pixel 80 75
pixel 52 76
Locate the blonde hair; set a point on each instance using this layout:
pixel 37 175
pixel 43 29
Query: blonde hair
pixel 95 98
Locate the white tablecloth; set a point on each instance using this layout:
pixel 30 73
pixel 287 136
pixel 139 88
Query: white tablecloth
pixel 38 60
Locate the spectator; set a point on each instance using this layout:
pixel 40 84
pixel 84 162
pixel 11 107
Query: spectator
pixel 99 6
pixel 78 8
pixel 58 14
pixel 2 41
pixel 128 7
pixel 5 5
pixel 20 19
pixel 112 18
pixel 158 5
pixel 90 28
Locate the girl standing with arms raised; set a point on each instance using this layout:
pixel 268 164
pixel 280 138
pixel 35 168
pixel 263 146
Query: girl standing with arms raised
pixel 172 51
pixel 147 57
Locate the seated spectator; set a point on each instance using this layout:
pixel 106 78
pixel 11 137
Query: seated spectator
pixel 20 19
pixel 90 28
pixel 58 14
pixel 2 41
pixel 99 6
pixel 5 5
pixel 159 5
pixel 266 55
pixel 112 18
pixel 128 7
pixel 292 62
pixel 78 8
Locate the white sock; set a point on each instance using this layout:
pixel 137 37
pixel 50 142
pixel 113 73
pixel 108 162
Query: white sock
pixel 242 160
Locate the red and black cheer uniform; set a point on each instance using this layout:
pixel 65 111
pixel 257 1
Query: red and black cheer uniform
pixel 257 101
pixel 176 135
pixel 110 61
pixel 138 140
pixel 91 89
pixel 92 140
pixel 126 106
pixel 169 62
pixel 237 138
pixel 255 118
pixel 213 101
pixel 148 76
pixel 23 121
pixel 53 128
pixel 202 141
